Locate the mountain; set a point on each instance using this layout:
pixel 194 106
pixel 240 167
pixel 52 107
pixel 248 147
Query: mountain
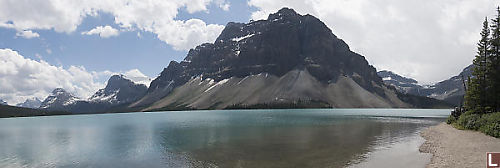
pixel 30 103
pixel 3 102
pixel 286 59
pixel 402 84
pixel 59 99
pixel 450 90
pixel 119 91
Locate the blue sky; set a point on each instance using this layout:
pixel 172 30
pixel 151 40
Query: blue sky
pixel 119 53
pixel 78 45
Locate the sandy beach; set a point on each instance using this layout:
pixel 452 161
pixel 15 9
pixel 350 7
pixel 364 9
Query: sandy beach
pixel 457 148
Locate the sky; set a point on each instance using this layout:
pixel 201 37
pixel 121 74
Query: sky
pixel 78 45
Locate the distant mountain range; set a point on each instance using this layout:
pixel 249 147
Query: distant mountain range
pixel 286 61
pixel 118 91
pixel 450 90
pixel 30 103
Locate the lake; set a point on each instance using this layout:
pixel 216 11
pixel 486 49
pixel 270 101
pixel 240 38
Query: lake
pixel 220 138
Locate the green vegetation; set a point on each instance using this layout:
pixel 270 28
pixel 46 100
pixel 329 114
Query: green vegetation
pixel 482 99
pixel 283 105
pixel 487 123
pixel 11 111
pixel 173 107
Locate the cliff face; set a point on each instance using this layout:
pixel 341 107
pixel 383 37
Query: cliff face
pixel 119 90
pixel 286 58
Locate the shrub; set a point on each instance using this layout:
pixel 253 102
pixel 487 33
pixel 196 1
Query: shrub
pixel 469 121
pixel 491 124
pixel 451 119
pixel 492 129
pixel 492 117
pixel 488 123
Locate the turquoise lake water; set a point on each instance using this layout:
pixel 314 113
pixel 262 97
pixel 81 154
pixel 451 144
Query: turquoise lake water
pixel 218 138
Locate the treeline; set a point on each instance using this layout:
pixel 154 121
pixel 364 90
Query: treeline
pixel 483 92
pixel 283 105
pixel 11 111
pixel 482 99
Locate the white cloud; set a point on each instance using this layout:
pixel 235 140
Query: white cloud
pixel 27 34
pixel 22 78
pixel 224 5
pixel 156 16
pixel 426 40
pixel 104 32
pixel 184 35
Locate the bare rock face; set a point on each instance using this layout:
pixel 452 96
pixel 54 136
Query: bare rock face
pixel 119 90
pixel 300 57
pixel 283 42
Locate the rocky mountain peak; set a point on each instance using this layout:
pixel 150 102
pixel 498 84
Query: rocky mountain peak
pixel 286 41
pixel 283 42
pixel 119 90
pixel 59 91
pixel 284 14
pixel 117 82
pixel 391 76
pixel 30 103
pixel 58 99
pixel 467 71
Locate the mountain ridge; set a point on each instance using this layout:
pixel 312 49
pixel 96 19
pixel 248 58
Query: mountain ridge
pixel 450 90
pixel 33 103
pixel 118 91
pixel 286 59
pixel 286 42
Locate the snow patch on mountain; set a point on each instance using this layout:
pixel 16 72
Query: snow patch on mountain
pixel 238 39
pixel 30 103
pixel 100 96
pixel 217 84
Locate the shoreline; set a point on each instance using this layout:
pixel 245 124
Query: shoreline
pixel 400 154
pixel 451 147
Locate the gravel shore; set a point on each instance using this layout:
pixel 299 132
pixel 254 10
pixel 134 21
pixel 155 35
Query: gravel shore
pixel 457 148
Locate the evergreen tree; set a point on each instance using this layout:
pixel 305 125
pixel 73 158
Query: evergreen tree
pixel 475 98
pixel 493 65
